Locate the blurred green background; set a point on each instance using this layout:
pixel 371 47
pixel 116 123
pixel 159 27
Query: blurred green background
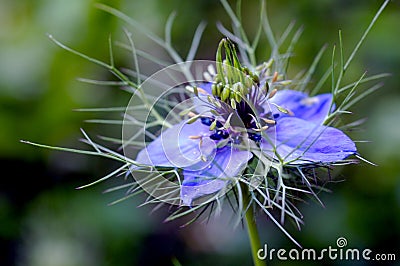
pixel 45 221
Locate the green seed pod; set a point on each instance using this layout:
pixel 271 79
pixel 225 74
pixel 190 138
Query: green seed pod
pixel 238 98
pixel 214 90
pixel 243 90
pixel 233 103
pixel 217 78
pixel 248 82
pixel 225 93
pixel 219 89
pixel 236 87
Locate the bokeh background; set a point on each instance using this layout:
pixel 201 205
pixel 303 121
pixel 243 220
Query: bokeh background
pixel 45 221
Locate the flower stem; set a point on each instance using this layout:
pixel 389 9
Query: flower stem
pixel 251 227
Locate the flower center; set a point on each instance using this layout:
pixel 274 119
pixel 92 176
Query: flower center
pixel 237 99
pixel 239 89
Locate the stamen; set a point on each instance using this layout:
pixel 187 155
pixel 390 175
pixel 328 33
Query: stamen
pixel 272 93
pixel 186 111
pixel 202 91
pixel 266 88
pixel 192 119
pixel 196 90
pixel 228 121
pixel 261 129
pixel 285 82
pixel 268 121
pixel 195 137
pixel 282 110
pixel 275 77
pixel 191 114
pixel 255 123
pixel 214 101
pixel 213 125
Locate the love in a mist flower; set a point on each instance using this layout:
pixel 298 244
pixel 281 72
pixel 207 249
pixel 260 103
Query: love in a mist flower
pixel 237 118
pixel 247 131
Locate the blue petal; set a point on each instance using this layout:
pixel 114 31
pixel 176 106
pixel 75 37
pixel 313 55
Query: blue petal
pixel 299 141
pixel 313 109
pixel 175 148
pixel 228 163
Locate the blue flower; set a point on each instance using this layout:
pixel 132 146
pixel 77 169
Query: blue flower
pixel 235 119
pixel 212 155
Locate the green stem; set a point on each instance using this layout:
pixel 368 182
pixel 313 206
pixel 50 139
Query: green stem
pixel 251 227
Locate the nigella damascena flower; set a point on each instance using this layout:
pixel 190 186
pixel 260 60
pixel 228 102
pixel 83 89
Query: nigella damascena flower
pixel 237 119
